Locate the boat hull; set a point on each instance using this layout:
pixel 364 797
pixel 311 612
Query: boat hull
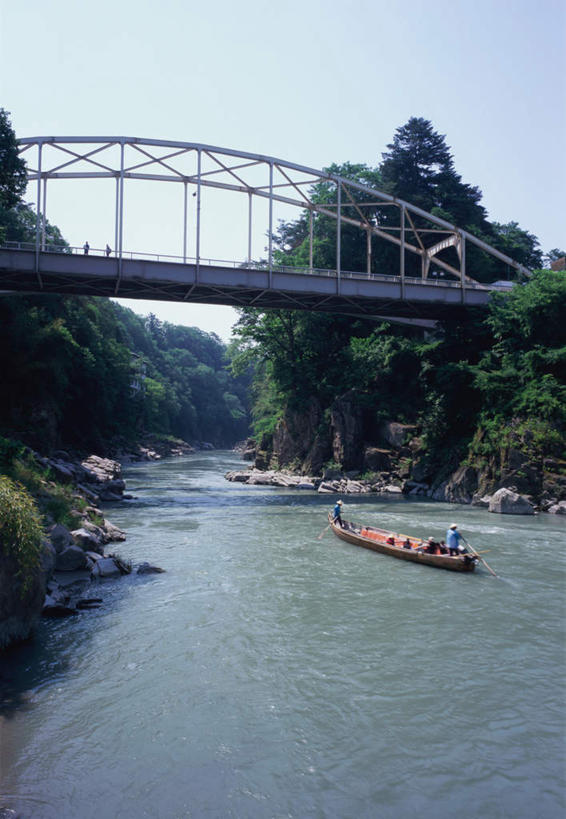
pixel 352 533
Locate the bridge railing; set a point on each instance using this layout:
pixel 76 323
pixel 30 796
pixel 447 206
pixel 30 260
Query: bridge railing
pixel 439 281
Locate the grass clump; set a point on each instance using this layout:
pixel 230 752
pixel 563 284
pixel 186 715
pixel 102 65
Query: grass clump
pixel 20 530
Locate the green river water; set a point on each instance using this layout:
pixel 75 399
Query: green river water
pixel 271 674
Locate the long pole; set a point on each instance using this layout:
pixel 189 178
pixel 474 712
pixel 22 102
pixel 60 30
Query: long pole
pixel 473 551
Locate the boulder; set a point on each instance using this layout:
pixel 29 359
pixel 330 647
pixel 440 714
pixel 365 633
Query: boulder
pixel 327 488
pixel 60 537
pixel 106 567
pixel 112 534
pixel 147 568
pixel 558 508
pixel 87 540
pixel 70 559
pixel 507 502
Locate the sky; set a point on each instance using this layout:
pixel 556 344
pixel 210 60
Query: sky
pixel 308 81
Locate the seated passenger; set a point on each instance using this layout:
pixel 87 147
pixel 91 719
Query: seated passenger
pixel 407 544
pixel 432 547
pixel 390 541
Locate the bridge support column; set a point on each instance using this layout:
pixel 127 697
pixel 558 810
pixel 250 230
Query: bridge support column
pixel 368 251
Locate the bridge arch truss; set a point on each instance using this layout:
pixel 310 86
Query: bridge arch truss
pixel 196 166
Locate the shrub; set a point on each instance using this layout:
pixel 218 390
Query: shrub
pixel 20 530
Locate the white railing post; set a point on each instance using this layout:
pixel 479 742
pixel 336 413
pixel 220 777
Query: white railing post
pixel 185 223
pixel 249 227
pixel 44 218
pixel 338 236
pixel 270 224
pixel 38 209
pixel 197 269
pixel 310 239
pixel 402 253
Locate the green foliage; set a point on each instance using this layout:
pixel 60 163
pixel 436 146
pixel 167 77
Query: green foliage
pixel 20 530
pixel 482 373
pixel 13 176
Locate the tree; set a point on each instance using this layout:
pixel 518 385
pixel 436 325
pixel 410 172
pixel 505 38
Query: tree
pixel 13 177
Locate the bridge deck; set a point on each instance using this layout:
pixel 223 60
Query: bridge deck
pixel 243 286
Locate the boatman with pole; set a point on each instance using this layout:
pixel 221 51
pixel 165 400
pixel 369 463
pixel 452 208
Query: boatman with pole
pixel 337 513
pixel 453 538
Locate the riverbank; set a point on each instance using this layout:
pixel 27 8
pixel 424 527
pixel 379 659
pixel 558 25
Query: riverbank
pixel 69 491
pixel 503 501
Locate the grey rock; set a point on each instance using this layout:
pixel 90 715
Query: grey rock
pixel 146 568
pixel 70 559
pixel 507 502
pixel 87 540
pixel 558 508
pixel 60 537
pixel 106 567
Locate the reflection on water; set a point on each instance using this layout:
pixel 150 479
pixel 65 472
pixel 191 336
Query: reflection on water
pixel 269 673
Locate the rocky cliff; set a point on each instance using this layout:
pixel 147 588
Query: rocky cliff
pixel 340 443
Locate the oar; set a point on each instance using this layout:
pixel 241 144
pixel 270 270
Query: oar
pixel 473 551
pixel 323 531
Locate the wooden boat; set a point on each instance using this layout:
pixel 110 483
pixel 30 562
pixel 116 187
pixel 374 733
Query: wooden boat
pixel 400 546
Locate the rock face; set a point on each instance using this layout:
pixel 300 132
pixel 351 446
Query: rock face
pixel 297 440
pixel 346 429
pixel 507 502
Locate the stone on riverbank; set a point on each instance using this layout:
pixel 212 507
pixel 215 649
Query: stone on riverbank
pixel 507 502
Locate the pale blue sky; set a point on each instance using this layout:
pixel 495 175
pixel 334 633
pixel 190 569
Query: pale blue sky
pixel 312 82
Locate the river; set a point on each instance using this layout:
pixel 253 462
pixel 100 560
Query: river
pixel 271 674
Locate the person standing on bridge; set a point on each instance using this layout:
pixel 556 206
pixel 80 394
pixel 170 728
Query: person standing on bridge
pixel 108 250
pixel 86 248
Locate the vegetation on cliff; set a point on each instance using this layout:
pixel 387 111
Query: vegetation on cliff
pixel 20 531
pixel 471 387
pixel 81 371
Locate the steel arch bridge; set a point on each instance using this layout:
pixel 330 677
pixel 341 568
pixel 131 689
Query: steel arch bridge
pixel 442 284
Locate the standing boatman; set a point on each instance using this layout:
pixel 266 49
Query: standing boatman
pixel 337 513
pixel 453 538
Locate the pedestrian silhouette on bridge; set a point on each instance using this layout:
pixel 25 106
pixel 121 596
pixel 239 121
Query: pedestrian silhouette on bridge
pixel 86 248
pixel 108 250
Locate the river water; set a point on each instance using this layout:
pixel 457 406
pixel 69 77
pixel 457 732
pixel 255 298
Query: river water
pixel 269 673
